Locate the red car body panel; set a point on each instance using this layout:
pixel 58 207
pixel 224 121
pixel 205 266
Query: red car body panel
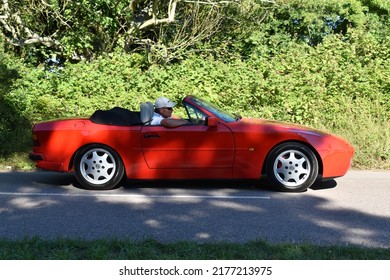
pixel 229 150
pixel 255 138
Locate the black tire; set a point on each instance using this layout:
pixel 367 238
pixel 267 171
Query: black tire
pixel 98 167
pixel 292 167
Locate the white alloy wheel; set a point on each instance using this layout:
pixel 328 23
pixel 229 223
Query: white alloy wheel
pixel 98 167
pixel 292 167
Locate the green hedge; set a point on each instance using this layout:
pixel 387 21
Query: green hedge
pixel 340 85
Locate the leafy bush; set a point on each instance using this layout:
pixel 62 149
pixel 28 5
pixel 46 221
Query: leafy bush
pixel 326 87
pixel 12 121
pixel 341 84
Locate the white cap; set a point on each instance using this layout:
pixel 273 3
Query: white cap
pixel 163 102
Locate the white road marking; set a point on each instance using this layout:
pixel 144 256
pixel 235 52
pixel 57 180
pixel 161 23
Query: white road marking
pixel 133 195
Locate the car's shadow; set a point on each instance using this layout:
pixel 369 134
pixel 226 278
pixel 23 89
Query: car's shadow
pixel 61 179
pixel 262 184
pixel 54 178
pixel 324 185
pixel 197 184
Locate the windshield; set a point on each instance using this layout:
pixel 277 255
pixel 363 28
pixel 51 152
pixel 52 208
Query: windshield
pixel 220 113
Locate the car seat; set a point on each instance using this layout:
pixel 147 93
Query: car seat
pixel 146 112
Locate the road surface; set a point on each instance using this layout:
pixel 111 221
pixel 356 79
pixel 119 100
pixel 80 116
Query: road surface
pixel 352 210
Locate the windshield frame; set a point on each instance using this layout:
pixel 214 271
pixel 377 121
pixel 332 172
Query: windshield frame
pixel 218 112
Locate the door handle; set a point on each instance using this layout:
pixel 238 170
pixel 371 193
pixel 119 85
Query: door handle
pixel 151 136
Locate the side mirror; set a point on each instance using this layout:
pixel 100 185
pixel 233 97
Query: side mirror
pixel 211 121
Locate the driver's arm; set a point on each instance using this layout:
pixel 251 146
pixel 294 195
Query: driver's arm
pixel 173 122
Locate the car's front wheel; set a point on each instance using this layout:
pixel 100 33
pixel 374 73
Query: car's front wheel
pixel 98 167
pixel 292 167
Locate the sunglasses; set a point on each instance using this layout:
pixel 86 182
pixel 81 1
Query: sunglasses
pixel 168 108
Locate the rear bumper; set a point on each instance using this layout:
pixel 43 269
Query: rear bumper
pixel 46 165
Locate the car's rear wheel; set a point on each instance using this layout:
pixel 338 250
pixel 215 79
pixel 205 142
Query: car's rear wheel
pixel 98 167
pixel 292 167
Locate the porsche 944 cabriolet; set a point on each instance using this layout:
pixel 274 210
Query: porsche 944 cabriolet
pixel 116 144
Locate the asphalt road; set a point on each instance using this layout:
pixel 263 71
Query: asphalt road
pixel 354 209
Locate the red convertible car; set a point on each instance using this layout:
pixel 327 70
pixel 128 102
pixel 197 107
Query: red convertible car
pixel 116 144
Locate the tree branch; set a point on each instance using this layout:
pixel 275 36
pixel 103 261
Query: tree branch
pixel 154 12
pixel 16 33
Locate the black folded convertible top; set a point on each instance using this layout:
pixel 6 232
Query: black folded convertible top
pixel 116 116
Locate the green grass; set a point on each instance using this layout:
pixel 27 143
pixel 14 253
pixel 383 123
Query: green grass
pixel 115 249
pixel 371 140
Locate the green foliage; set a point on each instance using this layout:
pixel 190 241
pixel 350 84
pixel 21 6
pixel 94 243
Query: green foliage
pixel 85 29
pixel 93 26
pixel 340 84
pixel 82 29
pixel 12 121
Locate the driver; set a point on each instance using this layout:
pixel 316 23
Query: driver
pixel 163 108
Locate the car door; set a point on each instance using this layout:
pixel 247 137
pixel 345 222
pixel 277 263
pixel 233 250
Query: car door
pixel 197 146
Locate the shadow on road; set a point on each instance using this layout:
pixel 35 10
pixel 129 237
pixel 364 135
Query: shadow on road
pixel 210 211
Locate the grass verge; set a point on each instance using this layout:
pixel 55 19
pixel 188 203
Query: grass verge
pixel 115 249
